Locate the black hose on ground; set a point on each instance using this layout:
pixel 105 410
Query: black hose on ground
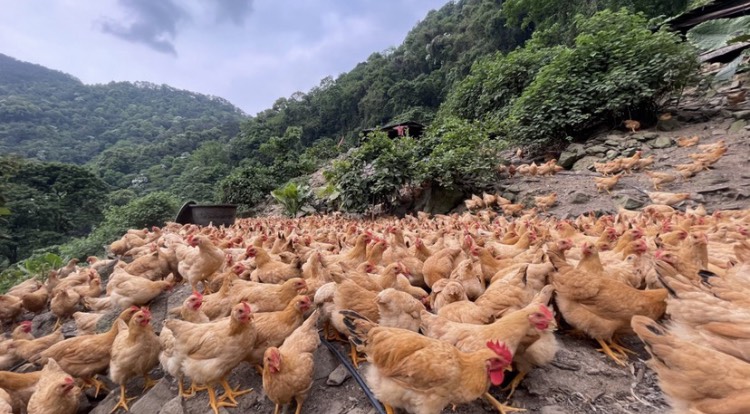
pixel 355 374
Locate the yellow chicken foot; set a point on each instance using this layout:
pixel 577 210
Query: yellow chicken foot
pixel 299 401
pixel 259 369
pixel 514 384
pixel 388 409
pixel 193 391
pixel 213 402
pixel 502 408
pixel 617 346
pixel 57 324
pixel 149 382
pixel 355 356
pixel 277 409
pixel 331 333
pixel 608 351
pixel 231 393
pixel 123 403
pixel 98 385
pixel 181 389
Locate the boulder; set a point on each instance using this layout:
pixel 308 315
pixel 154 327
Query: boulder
pixel 153 401
pixel 612 154
pixel 627 202
pixel 580 198
pixel 584 163
pixel 573 153
pixel 338 376
pixel 668 124
pixel 661 142
pixel 738 125
pixel 596 149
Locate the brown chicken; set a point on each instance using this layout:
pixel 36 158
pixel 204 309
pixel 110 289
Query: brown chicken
pixel 274 327
pixel 152 266
pixel 56 392
pixel 208 352
pixel 440 265
pixel 272 271
pixel 669 199
pixel 135 351
pixel 688 142
pixel 86 322
pixel 138 291
pixel 265 297
pixel 10 308
pixel 422 375
pixel 288 369
pixel 545 202
pixel 659 178
pixel 606 183
pixel 398 309
pixel 63 304
pixel 601 307
pixel 632 125
pixel 446 291
pixel 36 301
pixel 28 349
pixel 20 387
pixel 696 379
pixel 197 265
pixel 6 402
pixel 191 309
pixel 85 356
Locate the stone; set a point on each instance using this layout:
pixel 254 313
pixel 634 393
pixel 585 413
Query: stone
pixel 628 202
pixel 338 376
pixel 596 149
pixel 661 142
pixel 580 198
pixel 629 152
pixel 173 406
pixel 668 124
pixel 640 137
pixel 573 153
pixel 737 125
pixel 515 188
pixel 612 154
pixel 153 401
pixel 552 409
pixel 631 143
pixel 325 362
pixel 612 143
pixel 718 132
pixel 742 115
pixel 584 163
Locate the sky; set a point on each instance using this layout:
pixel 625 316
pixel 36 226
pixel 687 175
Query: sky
pixel 250 52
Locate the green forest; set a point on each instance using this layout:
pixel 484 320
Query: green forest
pixel 80 163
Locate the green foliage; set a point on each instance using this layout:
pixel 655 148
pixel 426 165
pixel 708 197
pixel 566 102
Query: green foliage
pixel 375 172
pixel 292 196
pixel 717 33
pixel 151 210
pixel 618 66
pixel 247 186
pixel 36 266
pixel 459 155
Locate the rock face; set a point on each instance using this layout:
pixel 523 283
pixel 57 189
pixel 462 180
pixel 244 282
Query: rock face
pixel 661 142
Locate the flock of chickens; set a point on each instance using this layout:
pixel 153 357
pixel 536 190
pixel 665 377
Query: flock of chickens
pixel 441 306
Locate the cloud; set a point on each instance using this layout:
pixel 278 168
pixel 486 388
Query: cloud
pixel 234 11
pixel 154 23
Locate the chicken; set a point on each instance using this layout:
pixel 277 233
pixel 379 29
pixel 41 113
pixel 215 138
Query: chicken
pixel 20 387
pixel 208 352
pixel 512 209
pixel 440 265
pixel 288 369
pixel 545 202
pixel 135 351
pixel 69 268
pixel 696 379
pixel 446 291
pixel 608 168
pixel 191 309
pixel 86 322
pixel 399 309
pixel 10 307
pixel 643 163
pixel 56 392
pixel 474 203
pixel 669 199
pixel 28 349
pixel 271 271
pixel 138 291
pixel 152 266
pixel 469 274
pixel 263 297
pixel 63 304
pixel 274 327
pixel 659 178
pixel 606 183
pixel 422 375
pixel 85 356
pixel 196 265
pixel 6 403
pixel 632 125
pixel 599 306
pixel 687 142
pixel 36 301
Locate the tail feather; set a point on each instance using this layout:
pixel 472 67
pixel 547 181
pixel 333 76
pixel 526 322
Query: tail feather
pixel 357 325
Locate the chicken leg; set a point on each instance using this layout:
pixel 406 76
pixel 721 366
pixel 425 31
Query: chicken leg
pixel 608 351
pixel 331 333
pixel 213 402
pixel 98 385
pixel 231 393
pixel 299 401
pixel 503 409
pixel 515 382
pixel 388 409
pixel 123 402
pixel 149 382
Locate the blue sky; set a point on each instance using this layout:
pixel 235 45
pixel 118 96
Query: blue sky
pixel 250 52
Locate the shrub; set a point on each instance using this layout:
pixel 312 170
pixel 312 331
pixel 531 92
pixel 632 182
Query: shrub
pixel 618 66
pixel 247 186
pixel 292 196
pixel 374 173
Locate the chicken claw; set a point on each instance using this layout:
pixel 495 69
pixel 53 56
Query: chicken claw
pixel 331 333
pixel 355 356
pixel 388 409
pixel 93 382
pixel 149 382
pixel 230 393
pixel 504 409
pixel 514 383
pixel 123 402
pixel 215 404
pixel 608 351
pixel 193 391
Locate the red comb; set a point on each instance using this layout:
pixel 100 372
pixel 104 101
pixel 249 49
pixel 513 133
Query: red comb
pixel 545 310
pixel 501 350
pixel 197 294
pixel 247 307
